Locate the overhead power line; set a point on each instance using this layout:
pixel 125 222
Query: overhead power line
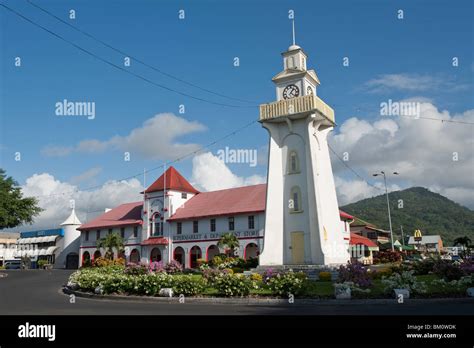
pixel 119 67
pixel 167 163
pixel 135 58
pixel 352 170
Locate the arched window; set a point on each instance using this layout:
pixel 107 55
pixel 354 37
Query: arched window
pixel 293 163
pixel 157 225
pixel 178 255
pixel 155 255
pixel 212 251
pixel 292 62
pixel 251 251
pixel 97 254
pixel 295 200
pixel 194 254
pixel 86 259
pixel 134 256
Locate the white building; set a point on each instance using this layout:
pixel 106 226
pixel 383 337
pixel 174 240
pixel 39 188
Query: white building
pixel 58 247
pixel 183 224
pixel 302 216
pixel 426 243
pixel 7 243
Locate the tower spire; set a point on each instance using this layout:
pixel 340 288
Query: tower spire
pixel 293 24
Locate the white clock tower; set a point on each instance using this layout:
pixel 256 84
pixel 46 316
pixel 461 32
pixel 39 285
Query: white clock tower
pixel 302 223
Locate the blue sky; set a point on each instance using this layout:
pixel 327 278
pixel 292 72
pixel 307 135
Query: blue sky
pixel 200 49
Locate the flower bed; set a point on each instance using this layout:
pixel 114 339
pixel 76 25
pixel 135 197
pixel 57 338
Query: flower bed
pixel 148 280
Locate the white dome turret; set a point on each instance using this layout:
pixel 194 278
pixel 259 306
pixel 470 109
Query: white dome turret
pixel 72 219
pixel 70 242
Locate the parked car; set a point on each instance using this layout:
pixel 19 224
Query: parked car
pixel 13 265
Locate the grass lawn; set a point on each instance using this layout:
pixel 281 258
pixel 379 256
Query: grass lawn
pixel 318 289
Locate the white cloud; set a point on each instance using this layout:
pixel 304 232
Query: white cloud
pixel 422 151
pixel 210 173
pixel 54 197
pixel 349 191
pixel 412 82
pixel 88 175
pixel 156 139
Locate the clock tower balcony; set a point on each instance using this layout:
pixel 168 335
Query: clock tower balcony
pixel 297 108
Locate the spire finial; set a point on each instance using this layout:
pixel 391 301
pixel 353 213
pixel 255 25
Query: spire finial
pixel 293 23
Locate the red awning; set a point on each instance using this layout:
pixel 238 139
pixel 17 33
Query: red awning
pixel 345 216
pixel 156 241
pixel 357 240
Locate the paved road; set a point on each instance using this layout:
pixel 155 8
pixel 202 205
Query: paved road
pixel 38 292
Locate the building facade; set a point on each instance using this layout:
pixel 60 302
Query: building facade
pixel 177 222
pixel 58 247
pixel 7 246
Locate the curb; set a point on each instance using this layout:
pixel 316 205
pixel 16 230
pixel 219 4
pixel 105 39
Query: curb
pixel 256 301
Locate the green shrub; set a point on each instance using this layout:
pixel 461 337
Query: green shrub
pixel 387 256
pixel 325 276
pixel 232 284
pixel 453 288
pixel 447 270
pixel 150 284
pixel 102 262
pixel 284 284
pixel 237 270
pixel 118 284
pixel 216 261
pixel 423 267
pixel 88 281
pixel 42 263
pixel 256 277
pixel 379 274
pixel 405 280
pixel 187 285
pixel 251 263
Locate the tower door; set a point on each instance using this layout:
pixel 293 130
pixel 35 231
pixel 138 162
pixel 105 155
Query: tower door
pixel 297 247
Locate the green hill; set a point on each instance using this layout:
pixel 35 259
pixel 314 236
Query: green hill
pixel 417 208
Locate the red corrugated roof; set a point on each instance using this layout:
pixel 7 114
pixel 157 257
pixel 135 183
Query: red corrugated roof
pixel 123 215
pixel 357 239
pixel 247 199
pixel 174 181
pixel 240 200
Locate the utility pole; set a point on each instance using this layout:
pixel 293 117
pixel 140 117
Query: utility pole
pixel 403 239
pixel 388 204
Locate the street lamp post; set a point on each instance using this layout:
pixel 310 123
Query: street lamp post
pixel 388 204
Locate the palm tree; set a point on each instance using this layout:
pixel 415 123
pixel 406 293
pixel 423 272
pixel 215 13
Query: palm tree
pixel 110 242
pixel 464 241
pixel 229 242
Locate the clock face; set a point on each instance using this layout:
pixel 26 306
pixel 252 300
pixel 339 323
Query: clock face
pixel 309 91
pixel 291 91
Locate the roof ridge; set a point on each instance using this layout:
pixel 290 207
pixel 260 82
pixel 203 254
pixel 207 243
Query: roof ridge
pixel 232 188
pixel 174 181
